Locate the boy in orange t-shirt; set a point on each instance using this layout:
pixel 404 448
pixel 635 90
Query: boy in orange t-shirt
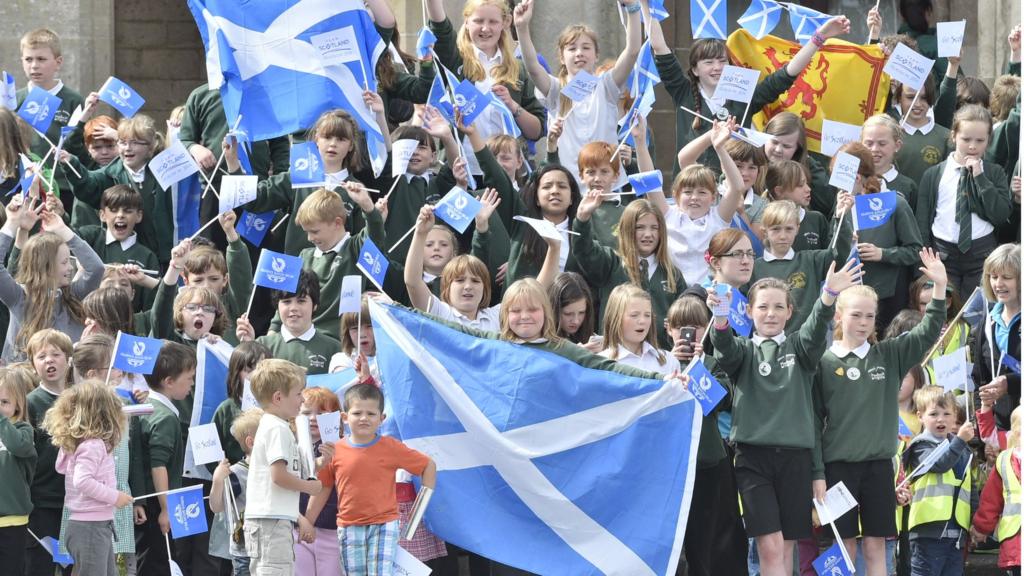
pixel 363 471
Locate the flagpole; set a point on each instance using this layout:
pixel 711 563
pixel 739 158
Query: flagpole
pixel 835 237
pixel 906 114
pixel 745 111
pixel 167 540
pixel 113 356
pixel 52 148
pixel 952 324
pixel 842 546
pixel 279 222
pixel 209 181
pixel 623 141
pixel 359 332
pixel 392 189
pixel 400 240
pixel 736 133
pixel 249 305
pixel 204 227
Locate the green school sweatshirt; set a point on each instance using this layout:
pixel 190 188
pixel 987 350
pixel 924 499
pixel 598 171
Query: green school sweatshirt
pixel 989 195
pixel 823 196
pixel 313 355
pixel 856 412
pixel 603 269
pixel 905 186
pixel 161 445
pixel 774 409
pixel 815 232
pixel 17 467
pixel 922 151
pixel 240 287
pixel 47 484
pixel 113 253
pixel 75 142
pixel 900 241
pixel 223 417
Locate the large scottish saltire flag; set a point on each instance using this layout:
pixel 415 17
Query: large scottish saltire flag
pixel 543 464
pixel 281 63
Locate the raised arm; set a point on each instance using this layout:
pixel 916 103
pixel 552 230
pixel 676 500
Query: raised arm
pixel 383 16
pixel 627 59
pixel 645 163
pixel 435 10
pixel 834 27
pixel 734 190
pixel 419 292
pixel 549 269
pixel 521 17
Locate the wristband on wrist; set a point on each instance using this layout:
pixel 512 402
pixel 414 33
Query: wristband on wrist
pixel 632 8
pixel 830 291
pixel 818 39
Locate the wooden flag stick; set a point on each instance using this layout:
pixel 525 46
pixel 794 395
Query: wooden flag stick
pixel 906 114
pixel 204 227
pixel 209 181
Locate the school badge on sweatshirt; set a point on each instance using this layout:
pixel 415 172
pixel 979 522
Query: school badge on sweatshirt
pixel 764 368
pixel 853 373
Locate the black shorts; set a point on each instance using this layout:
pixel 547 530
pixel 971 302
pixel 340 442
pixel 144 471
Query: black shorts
pixel 775 490
pixel 873 485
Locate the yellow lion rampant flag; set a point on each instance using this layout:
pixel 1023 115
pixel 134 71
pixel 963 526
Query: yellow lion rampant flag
pixel 844 82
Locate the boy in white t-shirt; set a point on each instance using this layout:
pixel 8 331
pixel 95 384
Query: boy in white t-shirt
pixel 275 469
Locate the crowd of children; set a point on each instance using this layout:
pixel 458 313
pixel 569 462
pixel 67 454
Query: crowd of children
pixel 741 261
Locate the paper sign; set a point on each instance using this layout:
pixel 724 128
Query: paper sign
pixel 844 172
pixel 236 190
pixel 581 86
pixel 543 227
pixel 205 444
pixel 752 137
pixel 330 426
pixel 407 565
pixel 248 399
pixel 401 152
pixel 337 46
pixel 173 165
pixel 351 295
pixel 835 134
pixel 930 460
pixel 737 83
pixel 838 501
pixel 951 38
pixel 908 67
pixel 951 370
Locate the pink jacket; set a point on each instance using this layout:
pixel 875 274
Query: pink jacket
pixel 90 483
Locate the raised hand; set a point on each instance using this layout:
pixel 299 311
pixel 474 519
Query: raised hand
pixel 489 200
pixel 588 205
pixel 373 101
pixel 358 193
pixel 838 280
pixel 836 26
pixel 721 132
pixel 934 269
pixel 522 14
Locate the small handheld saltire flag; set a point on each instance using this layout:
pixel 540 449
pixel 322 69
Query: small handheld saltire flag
pixel 658 11
pixel 39 108
pixel 761 18
pixel 210 391
pixel 641 106
pixel 53 547
pixel 305 166
pixel 136 354
pixel 8 91
pixel 186 511
pixel 254 227
pixel 279 64
pixel 855 256
pixel 29 171
pixel 335 381
pixel 373 263
pixel 186 196
pixel 277 271
pixel 571 477
pixel 844 81
pixel 805 22
pixel 708 19
pixel 738 318
pixel 581 86
pixel 458 208
pixel 469 101
pixel 704 387
pixel 121 97
pixel 508 121
pixel 646 182
pixel 645 71
pixel 831 562
pixel 425 42
pixel 873 210
pixel 1011 363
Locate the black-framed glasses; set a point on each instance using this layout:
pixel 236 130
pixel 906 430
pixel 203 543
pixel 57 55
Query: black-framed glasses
pixel 740 254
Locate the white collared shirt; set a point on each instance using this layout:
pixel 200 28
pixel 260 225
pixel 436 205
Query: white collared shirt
pixel 769 257
pixel 409 176
pixel 154 395
pixel 891 174
pixel 337 247
pixel 137 177
pixel 945 226
pixel 486 318
pixel 489 122
pixel 305 336
pixel 779 338
pixel 428 277
pixel 652 265
pixel 335 179
pixel 563 252
pixel 126 243
pixel 841 351
pixel 647 360
pixel 688 239
pixel 714 104
pixel 926 129
pixel 53 91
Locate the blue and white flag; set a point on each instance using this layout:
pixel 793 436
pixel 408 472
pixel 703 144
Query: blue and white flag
pixel 254 227
pixel 39 108
pixel 210 391
pixel 641 106
pixel 186 511
pixel 1011 363
pixel 581 86
pixel 305 166
pixel 29 171
pixel 645 71
pixel 8 91
pixel 373 263
pixel 121 97
pixel 755 242
pixel 708 19
pixel 704 387
pixel 186 196
pixel 570 477
pixel 281 63
pixel 761 18
pixel 832 562
pixel 458 208
pixel 508 121
pixel 805 22
pixel 136 354
pixel 738 318
pixel 658 11
pixel 873 210
pixel 439 97
pixel 470 102
pixel 53 547
pixel 336 382
pixel 425 43
pixel 277 271
pixel 646 182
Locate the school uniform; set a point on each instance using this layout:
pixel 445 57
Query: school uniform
pixel 492 248
pixel 236 296
pixel 688 239
pixel 127 251
pixel 922 148
pixel 681 89
pixel 412 88
pixel 772 422
pixel 312 349
pixel 47 491
pixel 487 319
pixel 823 196
pixel 900 242
pixel 893 180
pixel 412 192
pixel 17 466
pixel 946 190
pixel 74 143
pixel 521 267
pixel 156 230
pixel 603 269
pixel 223 417
pixel 815 231
pixel 593 119
pixel 857 415
pixel 647 359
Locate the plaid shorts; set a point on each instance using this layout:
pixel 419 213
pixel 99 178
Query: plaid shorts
pixel 369 550
pixel 424 545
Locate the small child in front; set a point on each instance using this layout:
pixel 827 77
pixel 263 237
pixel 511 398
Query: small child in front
pixel 363 471
pixel 275 470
